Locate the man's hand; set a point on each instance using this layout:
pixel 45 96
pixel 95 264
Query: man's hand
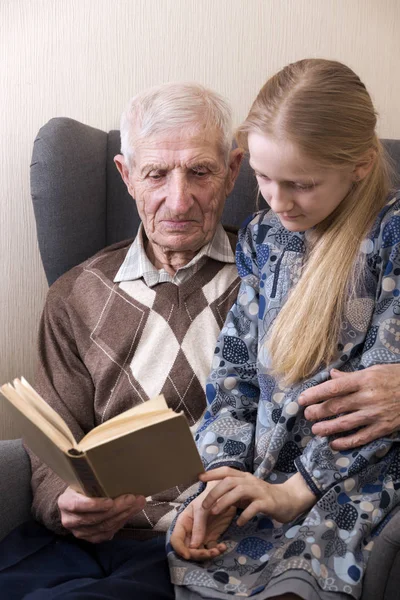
pixel 97 519
pixel 369 399
pixel 196 532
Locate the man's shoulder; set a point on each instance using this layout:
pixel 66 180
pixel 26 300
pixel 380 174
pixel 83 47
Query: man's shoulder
pixel 108 260
pixel 104 264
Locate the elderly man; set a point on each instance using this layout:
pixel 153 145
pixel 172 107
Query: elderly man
pixel 141 319
pixel 135 320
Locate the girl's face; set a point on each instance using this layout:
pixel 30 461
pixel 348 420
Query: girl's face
pixel 301 193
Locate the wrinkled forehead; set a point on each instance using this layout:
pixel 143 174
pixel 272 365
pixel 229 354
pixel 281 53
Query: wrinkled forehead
pixel 179 144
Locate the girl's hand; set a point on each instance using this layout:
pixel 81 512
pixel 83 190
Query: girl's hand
pixel 282 501
pixel 197 531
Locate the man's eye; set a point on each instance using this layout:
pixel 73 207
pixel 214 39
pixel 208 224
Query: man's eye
pixel 156 175
pixel 199 172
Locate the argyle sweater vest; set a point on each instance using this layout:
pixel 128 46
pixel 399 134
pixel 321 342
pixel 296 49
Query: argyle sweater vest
pixel 105 347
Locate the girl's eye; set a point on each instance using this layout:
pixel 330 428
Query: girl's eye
pixel 263 177
pixel 304 186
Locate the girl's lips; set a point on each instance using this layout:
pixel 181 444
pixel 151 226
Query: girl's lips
pixel 290 217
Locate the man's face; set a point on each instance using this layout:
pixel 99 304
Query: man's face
pixel 180 182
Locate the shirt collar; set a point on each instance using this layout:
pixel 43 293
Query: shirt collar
pixel 136 263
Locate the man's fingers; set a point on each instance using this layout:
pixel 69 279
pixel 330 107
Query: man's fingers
pixel 335 373
pixel 360 438
pixel 121 511
pixel 77 520
pixel 128 502
pixel 326 409
pixel 78 503
pixel 342 424
pixel 339 386
pixel 336 406
pixel 109 526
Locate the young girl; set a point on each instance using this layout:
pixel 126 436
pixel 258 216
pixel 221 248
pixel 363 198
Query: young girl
pixel 320 290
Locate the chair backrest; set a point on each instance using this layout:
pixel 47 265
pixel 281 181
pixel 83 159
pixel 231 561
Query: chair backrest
pixel 81 204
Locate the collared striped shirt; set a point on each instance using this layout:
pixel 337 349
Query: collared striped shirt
pixel 137 264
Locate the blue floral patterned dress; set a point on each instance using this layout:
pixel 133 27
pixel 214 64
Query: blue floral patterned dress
pixel 253 424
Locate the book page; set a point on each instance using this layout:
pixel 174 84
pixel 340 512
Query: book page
pixel 156 404
pixel 29 415
pixel 26 391
pixel 152 411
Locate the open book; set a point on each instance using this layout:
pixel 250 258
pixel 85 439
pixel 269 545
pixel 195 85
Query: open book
pixel 144 450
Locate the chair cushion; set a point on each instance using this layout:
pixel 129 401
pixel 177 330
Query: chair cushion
pixel 68 186
pixel 15 488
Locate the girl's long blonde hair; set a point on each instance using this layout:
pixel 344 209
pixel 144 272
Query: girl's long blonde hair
pixel 323 108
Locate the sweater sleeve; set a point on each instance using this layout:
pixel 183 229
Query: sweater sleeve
pixel 226 434
pixel 321 466
pixel 64 382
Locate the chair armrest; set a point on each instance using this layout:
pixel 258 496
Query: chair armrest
pixel 382 577
pixel 15 486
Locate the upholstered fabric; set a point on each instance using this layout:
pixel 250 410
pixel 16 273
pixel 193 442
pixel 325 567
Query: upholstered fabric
pixel 382 579
pixel 15 486
pixel 68 185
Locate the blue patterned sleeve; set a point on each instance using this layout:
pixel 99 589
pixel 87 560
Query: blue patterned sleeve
pixel 226 434
pixel 321 466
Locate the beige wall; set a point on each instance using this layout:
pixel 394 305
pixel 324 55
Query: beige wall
pixel 84 58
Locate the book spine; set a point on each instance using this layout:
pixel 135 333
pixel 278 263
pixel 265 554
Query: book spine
pixel 90 484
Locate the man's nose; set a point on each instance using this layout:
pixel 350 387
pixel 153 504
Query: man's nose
pixel 280 199
pixel 179 198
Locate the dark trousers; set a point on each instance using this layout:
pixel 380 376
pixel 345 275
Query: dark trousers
pixel 36 564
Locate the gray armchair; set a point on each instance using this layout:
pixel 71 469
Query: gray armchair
pixel 81 205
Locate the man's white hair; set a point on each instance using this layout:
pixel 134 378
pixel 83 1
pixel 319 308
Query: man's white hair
pixel 171 107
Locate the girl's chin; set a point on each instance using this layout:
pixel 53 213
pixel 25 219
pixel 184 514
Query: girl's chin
pixel 296 224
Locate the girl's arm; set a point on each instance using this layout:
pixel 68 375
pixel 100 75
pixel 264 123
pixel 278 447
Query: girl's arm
pixel 232 388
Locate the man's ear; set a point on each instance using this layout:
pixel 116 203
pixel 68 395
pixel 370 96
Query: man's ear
pixel 364 166
pixel 235 160
pixel 123 169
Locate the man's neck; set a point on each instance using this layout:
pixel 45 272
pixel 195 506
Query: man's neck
pixel 168 260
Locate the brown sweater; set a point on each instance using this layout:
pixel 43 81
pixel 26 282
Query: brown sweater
pixel 105 347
